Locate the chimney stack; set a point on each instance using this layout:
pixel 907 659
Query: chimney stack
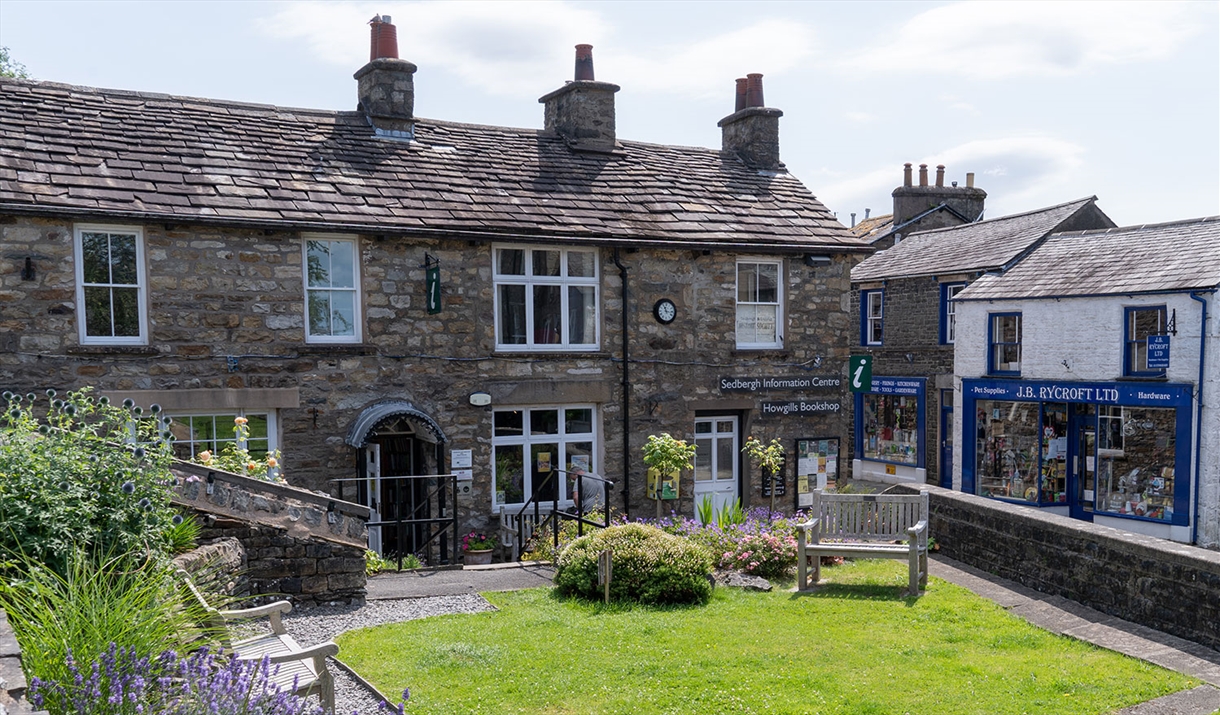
pixel 582 111
pixel 751 132
pixel 965 203
pixel 386 85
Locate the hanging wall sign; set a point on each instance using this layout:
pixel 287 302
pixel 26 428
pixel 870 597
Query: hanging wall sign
pixel 860 373
pixel 1158 352
pixel 433 283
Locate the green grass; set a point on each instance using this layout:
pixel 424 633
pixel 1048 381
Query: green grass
pixel 857 647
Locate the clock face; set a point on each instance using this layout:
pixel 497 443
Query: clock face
pixel 665 311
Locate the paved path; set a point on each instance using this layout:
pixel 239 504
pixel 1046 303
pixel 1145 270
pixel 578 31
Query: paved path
pixel 1054 613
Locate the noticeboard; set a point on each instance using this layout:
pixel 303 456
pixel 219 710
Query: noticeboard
pixel 817 465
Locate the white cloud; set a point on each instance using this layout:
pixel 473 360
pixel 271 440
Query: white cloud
pixel 1014 171
pixel 504 48
pixel 860 117
pixel 997 40
pixel 516 48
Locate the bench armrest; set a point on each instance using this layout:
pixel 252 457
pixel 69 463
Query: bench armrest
pixel 321 650
pixel 271 610
pixel 919 531
pixel 806 526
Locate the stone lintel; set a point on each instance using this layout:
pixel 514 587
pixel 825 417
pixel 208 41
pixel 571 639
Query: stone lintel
pixel 205 399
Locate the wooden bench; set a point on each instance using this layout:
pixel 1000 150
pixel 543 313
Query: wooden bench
pixel 302 671
pixel 864 526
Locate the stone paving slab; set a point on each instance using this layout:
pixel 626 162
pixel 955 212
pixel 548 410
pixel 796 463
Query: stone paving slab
pixel 1203 700
pixel 452 582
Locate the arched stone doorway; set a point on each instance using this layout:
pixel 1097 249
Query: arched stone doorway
pixel 398 447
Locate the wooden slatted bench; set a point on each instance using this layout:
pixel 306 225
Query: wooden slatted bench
pixel 864 526
pixel 301 671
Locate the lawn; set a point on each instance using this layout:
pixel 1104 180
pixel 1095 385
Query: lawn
pixel 857 647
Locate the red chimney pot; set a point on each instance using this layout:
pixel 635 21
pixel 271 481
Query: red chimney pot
pixel 383 38
pixel 739 102
pixel 754 90
pixel 584 63
pixel 923 174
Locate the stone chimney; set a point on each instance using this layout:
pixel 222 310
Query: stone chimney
pixel 386 86
pixel 582 111
pixel 751 133
pixel 910 201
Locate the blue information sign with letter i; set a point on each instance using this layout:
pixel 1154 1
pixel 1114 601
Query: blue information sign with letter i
pixel 1158 352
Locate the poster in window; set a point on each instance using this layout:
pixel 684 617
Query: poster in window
pixel 544 462
pixel 817 464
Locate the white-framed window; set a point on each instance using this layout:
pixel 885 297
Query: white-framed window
pixel 111 285
pixel 212 431
pixel 332 289
pixel 948 312
pixel 872 317
pixel 546 298
pixel 536 450
pixel 759 303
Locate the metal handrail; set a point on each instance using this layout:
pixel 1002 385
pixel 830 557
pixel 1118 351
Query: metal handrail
pixel 400 524
pixel 556 513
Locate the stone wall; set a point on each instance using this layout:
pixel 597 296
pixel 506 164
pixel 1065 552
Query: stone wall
pixel 226 314
pixel 12 678
pixel 1164 585
pixel 911 327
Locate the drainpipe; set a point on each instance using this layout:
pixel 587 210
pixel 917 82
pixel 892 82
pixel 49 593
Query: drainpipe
pixel 622 274
pixel 1194 535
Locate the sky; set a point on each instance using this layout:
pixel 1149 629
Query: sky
pixel 1044 102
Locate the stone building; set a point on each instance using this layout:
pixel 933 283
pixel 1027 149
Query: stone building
pixel 383 295
pixel 922 207
pixel 1086 379
pixel 903 309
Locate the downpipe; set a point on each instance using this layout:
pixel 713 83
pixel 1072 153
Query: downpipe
pixel 1194 534
pixel 626 419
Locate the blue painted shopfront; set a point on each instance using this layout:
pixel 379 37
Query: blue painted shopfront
pixel 1116 449
pixel 890 422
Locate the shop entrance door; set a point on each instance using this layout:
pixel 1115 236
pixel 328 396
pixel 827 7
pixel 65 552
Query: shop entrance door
pixel 716 459
pixel 1082 457
pixel 946 439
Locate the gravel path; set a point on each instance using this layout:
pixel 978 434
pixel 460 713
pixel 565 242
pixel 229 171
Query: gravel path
pixel 316 625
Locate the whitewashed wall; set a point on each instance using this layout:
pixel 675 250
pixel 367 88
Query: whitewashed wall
pixel 1087 334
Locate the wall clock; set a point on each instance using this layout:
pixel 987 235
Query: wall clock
pixel 664 311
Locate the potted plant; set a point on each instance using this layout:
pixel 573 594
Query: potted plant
pixel 477 548
pixel 770 458
pixel 668 456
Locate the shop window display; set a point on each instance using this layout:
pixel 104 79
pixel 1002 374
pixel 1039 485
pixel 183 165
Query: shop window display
pixel 1007 449
pixel 1054 453
pixel 890 428
pixel 1135 460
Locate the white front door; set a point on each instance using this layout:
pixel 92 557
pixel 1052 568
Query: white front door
pixel 716 457
pixel 372 472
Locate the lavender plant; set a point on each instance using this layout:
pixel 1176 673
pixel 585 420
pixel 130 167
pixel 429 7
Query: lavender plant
pixel 123 682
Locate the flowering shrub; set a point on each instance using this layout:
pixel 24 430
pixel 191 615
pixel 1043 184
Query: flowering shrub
pixel 765 555
pixel 236 459
pixel 649 566
pixel 478 541
pixel 87 474
pixel 763 543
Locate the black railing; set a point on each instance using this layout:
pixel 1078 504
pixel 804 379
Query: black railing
pixel 580 499
pixel 410 525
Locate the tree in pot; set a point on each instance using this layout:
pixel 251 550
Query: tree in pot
pixel 668 456
pixel 769 458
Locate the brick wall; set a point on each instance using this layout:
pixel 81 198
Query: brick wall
pixel 1153 582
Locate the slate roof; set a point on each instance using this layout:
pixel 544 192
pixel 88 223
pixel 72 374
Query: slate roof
pixel 1178 256
pixel 873 227
pixel 980 246
pixel 86 152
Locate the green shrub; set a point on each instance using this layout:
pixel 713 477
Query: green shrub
pixel 375 563
pixel 127 599
pixel 87 475
pixel 541 546
pixel 649 566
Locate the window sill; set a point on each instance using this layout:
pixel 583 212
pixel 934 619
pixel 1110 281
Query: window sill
pixel 535 353
pixel 113 350
pixel 1143 378
pixel 762 352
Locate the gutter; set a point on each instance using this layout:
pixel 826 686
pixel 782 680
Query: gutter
pixel 1194 534
pixel 622 274
pixel 381 229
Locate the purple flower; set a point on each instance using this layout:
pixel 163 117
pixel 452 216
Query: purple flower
pixel 128 487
